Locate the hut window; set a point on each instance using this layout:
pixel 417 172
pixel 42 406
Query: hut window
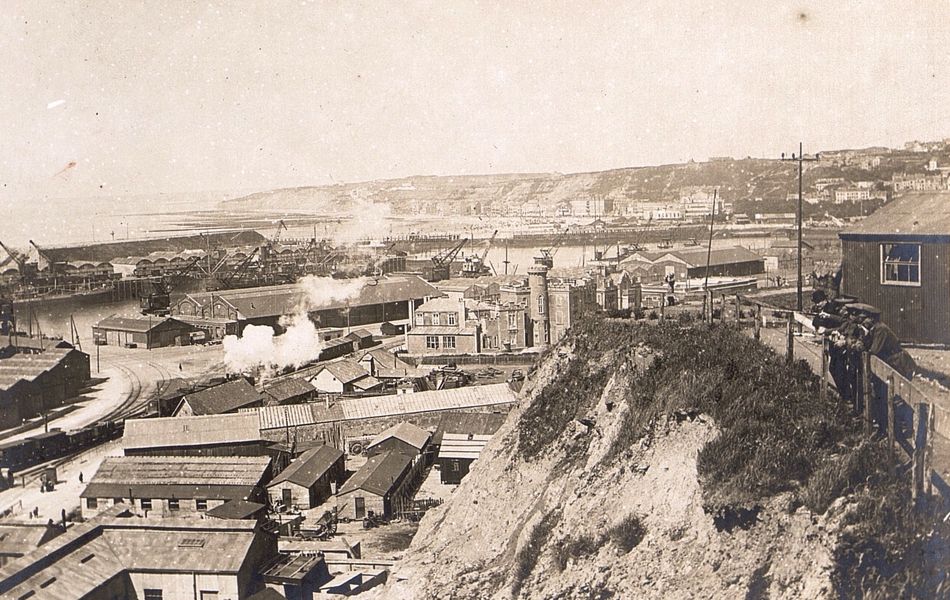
pixel 432 341
pixel 92 503
pixel 146 503
pixel 173 504
pixel 448 341
pixel 201 504
pixel 900 264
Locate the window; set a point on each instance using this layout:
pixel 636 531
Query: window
pixel 455 466
pixel 152 594
pixel 92 503
pixel 173 504
pixel 540 305
pixel 448 341
pixel 436 320
pixel 432 341
pixel 117 501
pixel 512 320
pixel 419 318
pixel 146 503
pixel 900 264
pixel 201 504
pixel 206 595
pixel 451 319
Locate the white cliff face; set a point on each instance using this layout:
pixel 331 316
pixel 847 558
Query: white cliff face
pixel 580 522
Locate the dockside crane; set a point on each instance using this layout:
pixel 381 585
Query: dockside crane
pixel 159 302
pixel 547 254
pixel 239 269
pixel 474 265
pixel 19 258
pixel 442 263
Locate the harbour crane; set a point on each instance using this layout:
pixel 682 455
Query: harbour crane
pixel 158 303
pixel 474 265
pixel 19 258
pixel 547 254
pixel 442 262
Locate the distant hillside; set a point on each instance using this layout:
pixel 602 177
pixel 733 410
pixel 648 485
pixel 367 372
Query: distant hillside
pixel 751 184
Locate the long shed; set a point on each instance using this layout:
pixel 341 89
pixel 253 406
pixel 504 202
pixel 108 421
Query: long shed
pixel 306 482
pixel 381 481
pixel 898 259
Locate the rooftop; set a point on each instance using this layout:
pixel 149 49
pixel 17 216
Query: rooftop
pixel 456 445
pixel 378 475
pixel 915 214
pixel 286 389
pixel 406 432
pixel 347 371
pixel 29 366
pixel 309 466
pixel 223 398
pixel 192 431
pixel 139 324
pixel 161 476
pixel 78 562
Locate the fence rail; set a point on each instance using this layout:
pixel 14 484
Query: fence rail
pixel 889 404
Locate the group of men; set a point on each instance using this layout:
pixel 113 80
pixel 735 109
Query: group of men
pixel 853 328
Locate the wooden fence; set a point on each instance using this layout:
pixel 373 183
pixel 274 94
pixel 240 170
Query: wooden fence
pixel 904 411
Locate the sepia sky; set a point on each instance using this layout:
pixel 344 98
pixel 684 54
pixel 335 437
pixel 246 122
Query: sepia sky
pixel 134 96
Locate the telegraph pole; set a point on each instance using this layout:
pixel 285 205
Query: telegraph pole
pixel 800 159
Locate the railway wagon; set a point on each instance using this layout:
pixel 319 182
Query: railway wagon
pixel 17 454
pixel 51 444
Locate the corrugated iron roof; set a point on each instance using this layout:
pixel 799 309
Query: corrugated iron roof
pixel 139 324
pixel 347 371
pixel 226 397
pixel 915 214
pixel 467 329
pixel 720 256
pixel 456 445
pixel 288 388
pixel 29 366
pixel 309 466
pixel 235 509
pixel 406 432
pixel 192 431
pixel 290 298
pixel 181 470
pixel 465 397
pixel 378 475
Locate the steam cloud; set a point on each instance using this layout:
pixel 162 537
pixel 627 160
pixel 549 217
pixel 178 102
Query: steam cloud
pixel 261 350
pixel 366 220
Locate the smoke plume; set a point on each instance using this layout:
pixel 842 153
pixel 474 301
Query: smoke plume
pixel 259 349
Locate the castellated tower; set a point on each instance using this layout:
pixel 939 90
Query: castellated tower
pixel 538 302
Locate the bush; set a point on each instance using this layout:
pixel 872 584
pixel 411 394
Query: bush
pixel 627 534
pixel 527 557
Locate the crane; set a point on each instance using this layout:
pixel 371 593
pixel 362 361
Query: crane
pixel 474 265
pixel 441 262
pixel 239 269
pixel 18 257
pixel 280 226
pixel 547 254
pixel 159 302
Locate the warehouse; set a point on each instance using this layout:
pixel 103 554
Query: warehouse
pixel 177 486
pixel 387 299
pixel 898 260
pixel 31 384
pixel 143 332
pixel 404 437
pixel 237 434
pixel 306 482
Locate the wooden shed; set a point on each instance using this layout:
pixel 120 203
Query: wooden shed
pixel 898 259
pixel 306 482
pixel 404 437
pixel 383 480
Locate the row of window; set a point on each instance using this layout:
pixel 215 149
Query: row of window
pixel 434 318
pixel 448 341
pixel 146 503
pixel 156 594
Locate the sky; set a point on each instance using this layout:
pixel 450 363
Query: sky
pixel 125 97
